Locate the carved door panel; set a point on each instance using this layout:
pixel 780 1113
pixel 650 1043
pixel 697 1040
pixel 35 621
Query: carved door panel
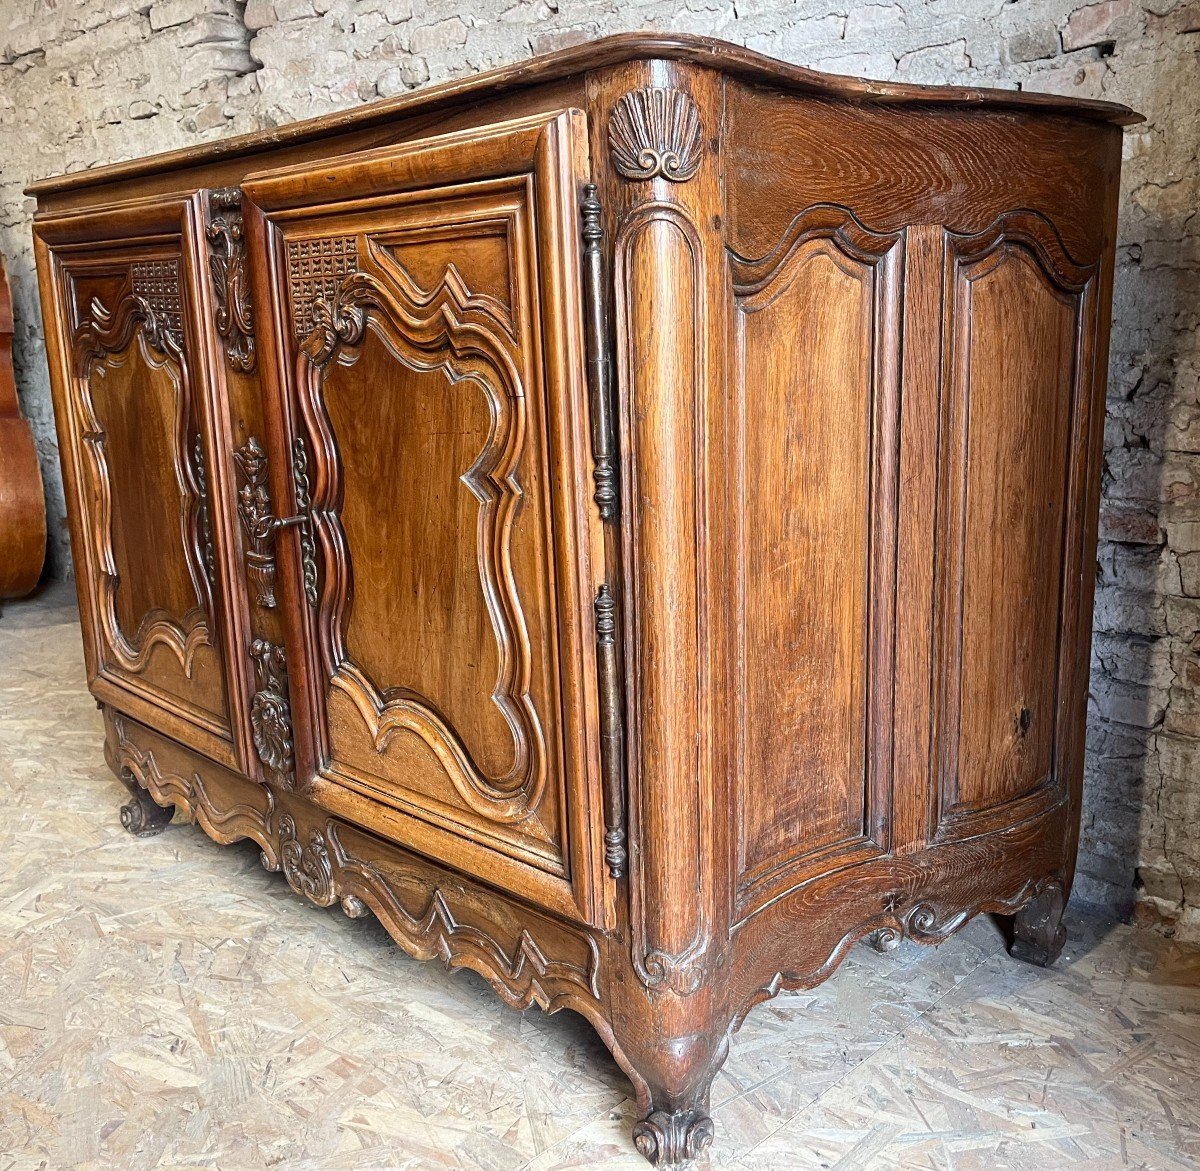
pixel 1017 354
pixel 426 324
pixel 134 435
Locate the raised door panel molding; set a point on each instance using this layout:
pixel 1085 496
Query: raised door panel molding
pixel 150 518
pixel 1017 378
pixel 814 470
pixel 445 380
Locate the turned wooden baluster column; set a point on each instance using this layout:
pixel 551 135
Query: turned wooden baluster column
pixel 655 154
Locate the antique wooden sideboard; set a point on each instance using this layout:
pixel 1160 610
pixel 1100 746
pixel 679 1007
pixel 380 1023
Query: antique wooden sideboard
pixel 625 520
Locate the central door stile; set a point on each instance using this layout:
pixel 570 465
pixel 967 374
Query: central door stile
pixel 275 501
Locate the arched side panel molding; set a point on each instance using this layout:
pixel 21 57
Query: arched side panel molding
pixel 815 370
pixel 1018 354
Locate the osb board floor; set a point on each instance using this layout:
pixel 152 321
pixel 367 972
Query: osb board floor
pixel 166 1003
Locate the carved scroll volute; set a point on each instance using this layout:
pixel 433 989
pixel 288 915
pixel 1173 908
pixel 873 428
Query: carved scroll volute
pixel 669 353
pixel 233 314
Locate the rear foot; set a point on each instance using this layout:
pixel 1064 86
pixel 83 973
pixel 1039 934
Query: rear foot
pixel 141 816
pixel 1038 933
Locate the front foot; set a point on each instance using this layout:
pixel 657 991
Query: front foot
pixel 1038 933
pixel 668 1138
pixel 142 817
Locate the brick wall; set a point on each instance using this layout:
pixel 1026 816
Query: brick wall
pixel 88 81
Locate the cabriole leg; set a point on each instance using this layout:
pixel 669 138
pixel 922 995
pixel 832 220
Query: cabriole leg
pixel 674 1077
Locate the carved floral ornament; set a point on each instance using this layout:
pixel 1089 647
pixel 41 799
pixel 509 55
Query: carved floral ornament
pixel 270 710
pixel 233 313
pixel 656 133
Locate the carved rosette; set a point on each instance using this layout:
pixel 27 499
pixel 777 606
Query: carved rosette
pixel 233 314
pixel 656 133
pixel 270 710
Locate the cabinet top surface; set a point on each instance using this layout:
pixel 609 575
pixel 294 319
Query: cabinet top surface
pixel 578 59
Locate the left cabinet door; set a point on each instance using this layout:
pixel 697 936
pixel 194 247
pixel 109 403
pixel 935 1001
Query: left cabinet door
pixel 125 346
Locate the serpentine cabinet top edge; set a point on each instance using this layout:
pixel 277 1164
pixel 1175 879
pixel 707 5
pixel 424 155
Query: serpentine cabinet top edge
pixel 607 51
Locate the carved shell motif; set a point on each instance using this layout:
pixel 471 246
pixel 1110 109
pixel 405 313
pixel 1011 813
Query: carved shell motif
pixel 656 132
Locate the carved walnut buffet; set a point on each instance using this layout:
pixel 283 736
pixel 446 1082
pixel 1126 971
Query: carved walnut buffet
pixel 626 520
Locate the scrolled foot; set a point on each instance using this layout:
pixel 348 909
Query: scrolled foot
pixel 665 1139
pixel 1038 933
pixel 883 939
pixel 142 817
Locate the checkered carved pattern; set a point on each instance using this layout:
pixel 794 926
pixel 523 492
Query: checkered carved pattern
pixel 315 269
pixel 157 283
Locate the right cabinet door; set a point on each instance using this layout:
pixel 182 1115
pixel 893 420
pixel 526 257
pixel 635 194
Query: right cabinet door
pixel 430 394
pixel 1017 356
